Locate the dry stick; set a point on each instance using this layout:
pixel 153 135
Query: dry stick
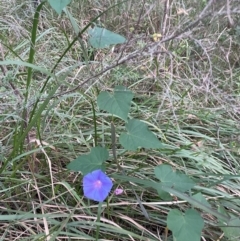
pixel 206 8
pixel 140 14
pixel 230 20
pixel 163 32
pixel 131 35
pixel 44 219
pixel 165 17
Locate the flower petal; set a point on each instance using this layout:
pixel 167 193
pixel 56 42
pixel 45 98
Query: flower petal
pixel 118 191
pixel 93 191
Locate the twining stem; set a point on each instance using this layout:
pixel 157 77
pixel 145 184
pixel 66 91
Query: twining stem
pixel 94 123
pixel 113 136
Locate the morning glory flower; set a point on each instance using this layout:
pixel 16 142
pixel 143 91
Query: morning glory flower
pixel 96 185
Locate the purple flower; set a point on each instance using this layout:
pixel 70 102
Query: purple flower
pixel 118 191
pixel 97 185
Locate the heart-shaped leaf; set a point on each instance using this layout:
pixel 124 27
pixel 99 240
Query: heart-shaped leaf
pixel 176 180
pixel 138 135
pixel 59 5
pixel 165 196
pixel 186 226
pixel 118 103
pixel 199 197
pixel 231 229
pixel 90 162
pixel 103 38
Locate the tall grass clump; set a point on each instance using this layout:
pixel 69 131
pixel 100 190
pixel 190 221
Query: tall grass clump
pixel 119 120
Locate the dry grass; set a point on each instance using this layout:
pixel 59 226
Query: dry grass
pixel 187 88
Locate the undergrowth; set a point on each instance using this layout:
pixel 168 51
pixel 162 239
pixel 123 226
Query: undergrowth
pixel 179 61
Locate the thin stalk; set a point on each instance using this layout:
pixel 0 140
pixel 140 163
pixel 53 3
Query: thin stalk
pixel 98 220
pixel 94 123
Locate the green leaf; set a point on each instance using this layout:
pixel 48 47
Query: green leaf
pixel 165 196
pixel 199 197
pixel 73 21
pixel 138 135
pixel 90 162
pixel 59 5
pixel 186 226
pixel 103 38
pixel 118 103
pixel 231 229
pixel 176 180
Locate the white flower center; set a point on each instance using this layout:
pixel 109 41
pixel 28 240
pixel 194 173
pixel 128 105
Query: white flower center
pixel 98 184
